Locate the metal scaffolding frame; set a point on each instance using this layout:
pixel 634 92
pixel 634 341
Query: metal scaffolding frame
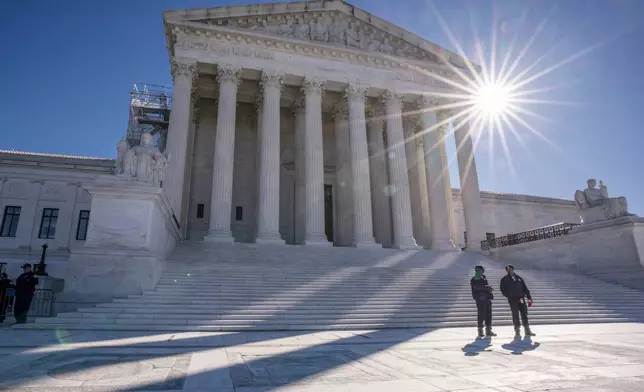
pixel 150 107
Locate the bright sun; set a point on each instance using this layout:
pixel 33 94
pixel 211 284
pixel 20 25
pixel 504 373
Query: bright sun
pixel 492 99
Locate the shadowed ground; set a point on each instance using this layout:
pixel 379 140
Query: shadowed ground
pixel 565 358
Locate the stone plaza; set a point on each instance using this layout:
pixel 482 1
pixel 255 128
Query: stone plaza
pixel 572 358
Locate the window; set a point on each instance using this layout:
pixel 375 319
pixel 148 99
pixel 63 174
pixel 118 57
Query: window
pixel 48 223
pixel 10 221
pixel 81 228
pixel 239 213
pixel 199 210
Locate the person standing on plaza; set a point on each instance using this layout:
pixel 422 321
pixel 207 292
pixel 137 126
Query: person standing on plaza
pixel 482 294
pixel 513 288
pixel 25 289
pixel 5 285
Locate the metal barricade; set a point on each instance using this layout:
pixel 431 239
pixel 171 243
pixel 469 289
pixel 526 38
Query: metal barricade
pixel 41 305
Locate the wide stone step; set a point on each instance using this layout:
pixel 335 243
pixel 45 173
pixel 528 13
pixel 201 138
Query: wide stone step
pixel 72 325
pixel 269 309
pixel 258 316
pixel 342 320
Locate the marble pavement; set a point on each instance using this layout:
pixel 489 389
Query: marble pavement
pixel 569 358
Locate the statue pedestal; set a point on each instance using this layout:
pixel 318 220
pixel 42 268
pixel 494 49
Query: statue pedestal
pixel 131 232
pixel 612 208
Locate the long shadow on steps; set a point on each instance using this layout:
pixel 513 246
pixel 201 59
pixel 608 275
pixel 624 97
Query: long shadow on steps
pixel 320 357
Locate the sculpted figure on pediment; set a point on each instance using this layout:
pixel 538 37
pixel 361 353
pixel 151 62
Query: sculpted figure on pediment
pixel 385 47
pixel 286 29
pixel 337 31
pixel 374 44
pixel 353 35
pixel 319 31
pixel 301 30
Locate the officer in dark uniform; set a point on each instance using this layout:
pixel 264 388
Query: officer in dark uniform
pixel 513 288
pixel 5 285
pixel 482 294
pixel 25 289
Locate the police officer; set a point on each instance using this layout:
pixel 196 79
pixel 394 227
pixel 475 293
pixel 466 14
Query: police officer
pixel 513 288
pixel 482 294
pixel 5 285
pixel 25 289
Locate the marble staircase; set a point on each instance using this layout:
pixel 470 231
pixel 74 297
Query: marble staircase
pixel 251 287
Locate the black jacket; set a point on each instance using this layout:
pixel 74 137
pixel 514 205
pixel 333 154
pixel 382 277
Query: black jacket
pixel 26 284
pixel 481 290
pixel 514 289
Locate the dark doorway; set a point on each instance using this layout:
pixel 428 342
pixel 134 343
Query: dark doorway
pixel 328 212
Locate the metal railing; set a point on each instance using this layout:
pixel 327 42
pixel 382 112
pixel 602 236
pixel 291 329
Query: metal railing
pixel 41 305
pixel 537 234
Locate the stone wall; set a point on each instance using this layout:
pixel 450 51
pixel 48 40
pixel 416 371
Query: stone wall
pixel 610 250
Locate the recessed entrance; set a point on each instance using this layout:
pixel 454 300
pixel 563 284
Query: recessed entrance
pixel 328 212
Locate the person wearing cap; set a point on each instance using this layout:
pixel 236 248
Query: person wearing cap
pixel 482 294
pixel 25 289
pixel 5 285
pixel 513 288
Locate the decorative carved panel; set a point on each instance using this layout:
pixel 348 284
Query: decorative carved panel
pixel 334 28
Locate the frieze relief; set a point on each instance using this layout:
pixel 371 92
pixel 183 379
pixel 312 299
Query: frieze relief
pixel 332 28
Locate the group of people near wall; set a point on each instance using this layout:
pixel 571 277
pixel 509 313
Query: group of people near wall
pixel 514 288
pixel 21 292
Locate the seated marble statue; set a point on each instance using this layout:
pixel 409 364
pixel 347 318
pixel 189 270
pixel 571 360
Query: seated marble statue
pixel 143 163
pixel 595 205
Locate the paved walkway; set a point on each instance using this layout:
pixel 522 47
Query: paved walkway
pixel 571 358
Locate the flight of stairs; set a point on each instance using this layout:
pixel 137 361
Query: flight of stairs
pixel 250 287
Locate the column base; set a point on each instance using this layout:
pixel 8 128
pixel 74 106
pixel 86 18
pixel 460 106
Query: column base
pixel 317 239
pixel 225 236
pixel 407 244
pixel 444 246
pixel 269 239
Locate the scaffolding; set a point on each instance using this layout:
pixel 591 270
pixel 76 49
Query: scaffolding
pixel 150 107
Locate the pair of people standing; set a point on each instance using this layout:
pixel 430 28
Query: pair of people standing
pixel 513 287
pixel 24 289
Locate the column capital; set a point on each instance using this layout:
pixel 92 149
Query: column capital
pixel 298 104
pixel 228 74
pixel 181 66
pixel 312 85
pixel 259 103
pixel 426 102
pixel 410 122
pixel 340 110
pixel 391 96
pixel 271 79
pixel 355 92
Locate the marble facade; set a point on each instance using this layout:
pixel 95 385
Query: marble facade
pixel 311 123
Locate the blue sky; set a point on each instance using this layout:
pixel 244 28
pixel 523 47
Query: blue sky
pixel 68 66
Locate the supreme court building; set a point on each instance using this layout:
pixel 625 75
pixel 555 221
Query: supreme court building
pixel 312 123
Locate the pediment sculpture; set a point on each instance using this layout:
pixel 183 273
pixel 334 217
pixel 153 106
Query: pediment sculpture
pixel 595 205
pixel 143 163
pixel 334 28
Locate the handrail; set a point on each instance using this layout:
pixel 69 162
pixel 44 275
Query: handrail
pixel 537 234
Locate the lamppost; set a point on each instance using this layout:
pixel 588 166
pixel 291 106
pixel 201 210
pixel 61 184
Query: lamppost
pixel 41 268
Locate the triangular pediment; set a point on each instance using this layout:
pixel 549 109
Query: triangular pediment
pixel 334 23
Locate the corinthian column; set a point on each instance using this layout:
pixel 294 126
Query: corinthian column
pixel 437 188
pixel 417 181
pixel 269 161
pixel 343 228
pixel 443 119
pixel 400 203
pixel 470 193
pixel 223 164
pixel 314 162
pixel 379 183
pixel 362 219
pixel 300 184
pixel 184 72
